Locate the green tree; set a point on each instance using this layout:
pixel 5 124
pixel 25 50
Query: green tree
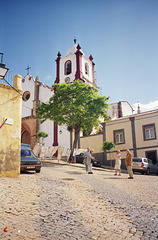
pixel 76 104
pixel 42 135
pixel 108 146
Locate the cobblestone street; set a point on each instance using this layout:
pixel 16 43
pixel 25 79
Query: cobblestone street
pixel 63 202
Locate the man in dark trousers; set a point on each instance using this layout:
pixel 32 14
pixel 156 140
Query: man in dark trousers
pixel 128 162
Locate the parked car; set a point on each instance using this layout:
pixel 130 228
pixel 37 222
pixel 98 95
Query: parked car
pixel 96 163
pixel 28 159
pixel 80 158
pixel 144 165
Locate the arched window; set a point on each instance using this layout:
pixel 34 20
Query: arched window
pixel 86 68
pixel 68 67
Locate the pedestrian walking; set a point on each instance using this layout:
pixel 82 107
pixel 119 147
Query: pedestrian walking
pixel 68 154
pixel 90 157
pixel 118 163
pixel 86 158
pixel 128 162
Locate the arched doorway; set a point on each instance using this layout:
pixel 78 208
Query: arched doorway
pixel 25 138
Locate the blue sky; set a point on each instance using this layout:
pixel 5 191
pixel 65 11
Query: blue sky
pixel 122 36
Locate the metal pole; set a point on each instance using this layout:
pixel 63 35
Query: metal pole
pixel 1 57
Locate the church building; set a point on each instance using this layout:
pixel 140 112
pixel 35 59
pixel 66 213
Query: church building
pixel 75 65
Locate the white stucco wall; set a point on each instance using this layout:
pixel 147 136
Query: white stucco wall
pixel 89 76
pixel 48 127
pixel 62 75
pixel 45 93
pixel 64 138
pixel 28 85
pixel 126 109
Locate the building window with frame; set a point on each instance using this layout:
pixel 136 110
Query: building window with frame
pixel 68 67
pixel 119 137
pixel 86 69
pixel 149 132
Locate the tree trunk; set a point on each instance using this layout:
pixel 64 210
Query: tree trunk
pixel 77 131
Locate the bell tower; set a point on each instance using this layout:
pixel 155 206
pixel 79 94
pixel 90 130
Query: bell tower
pixel 74 65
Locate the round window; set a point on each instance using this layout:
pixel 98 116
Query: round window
pixel 26 96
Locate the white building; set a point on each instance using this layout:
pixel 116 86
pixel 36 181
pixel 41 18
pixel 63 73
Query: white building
pixel 75 65
pixel 119 109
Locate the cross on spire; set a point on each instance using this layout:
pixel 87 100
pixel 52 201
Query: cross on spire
pixel 28 69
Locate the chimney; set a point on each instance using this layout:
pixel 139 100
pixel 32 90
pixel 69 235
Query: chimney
pixel 138 109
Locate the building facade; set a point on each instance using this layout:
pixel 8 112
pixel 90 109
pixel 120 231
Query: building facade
pixel 10 128
pixel 34 93
pixel 137 132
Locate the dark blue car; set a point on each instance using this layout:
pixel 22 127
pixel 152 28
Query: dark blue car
pixel 28 161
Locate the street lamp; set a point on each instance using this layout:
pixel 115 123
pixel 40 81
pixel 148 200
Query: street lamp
pixel 3 69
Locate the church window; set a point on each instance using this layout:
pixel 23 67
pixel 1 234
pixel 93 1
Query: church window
pixel 26 96
pixel 86 68
pixel 68 67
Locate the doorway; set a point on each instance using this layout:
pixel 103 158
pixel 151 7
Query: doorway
pixel 25 138
pixel 152 155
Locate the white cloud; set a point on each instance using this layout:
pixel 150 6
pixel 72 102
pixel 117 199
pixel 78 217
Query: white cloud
pixel 48 77
pixel 145 107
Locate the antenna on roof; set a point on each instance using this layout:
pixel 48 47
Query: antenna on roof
pixel 75 40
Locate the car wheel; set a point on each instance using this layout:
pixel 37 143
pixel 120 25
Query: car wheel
pixel 157 172
pixel 142 173
pixel 38 171
pixel 147 171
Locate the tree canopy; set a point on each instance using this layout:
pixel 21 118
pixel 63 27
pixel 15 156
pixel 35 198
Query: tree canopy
pixel 108 146
pixel 42 134
pixel 76 104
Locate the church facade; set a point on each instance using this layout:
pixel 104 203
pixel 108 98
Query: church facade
pixel 75 65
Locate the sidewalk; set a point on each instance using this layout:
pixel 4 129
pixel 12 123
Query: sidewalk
pixel 79 165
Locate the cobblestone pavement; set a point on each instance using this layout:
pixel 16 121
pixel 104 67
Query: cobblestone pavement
pixel 63 202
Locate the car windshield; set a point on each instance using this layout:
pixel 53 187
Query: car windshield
pixel 137 159
pixel 27 153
